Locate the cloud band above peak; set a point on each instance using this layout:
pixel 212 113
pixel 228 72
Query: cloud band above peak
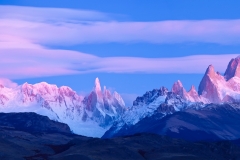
pixel 59 26
pixel 28 63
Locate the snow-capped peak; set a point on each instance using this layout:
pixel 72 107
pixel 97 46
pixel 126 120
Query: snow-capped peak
pixel 178 88
pixel 193 91
pixel 191 96
pixel 210 71
pixel 106 93
pixel 233 69
pixel 98 93
pixel 104 106
pixel 97 87
pixel 194 94
pixel 208 79
pixel 118 99
pixel 210 85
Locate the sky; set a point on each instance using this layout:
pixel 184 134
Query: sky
pixel 131 46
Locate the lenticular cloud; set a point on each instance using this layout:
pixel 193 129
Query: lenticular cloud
pixel 59 26
pixel 27 63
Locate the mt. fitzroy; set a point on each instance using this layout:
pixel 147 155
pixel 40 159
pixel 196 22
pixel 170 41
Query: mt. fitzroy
pixel 205 111
pixel 89 116
pixel 214 88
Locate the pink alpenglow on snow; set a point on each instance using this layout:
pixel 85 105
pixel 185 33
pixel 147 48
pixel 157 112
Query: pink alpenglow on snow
pixel 233 69
pixel 180 90
pixel 193 94
pixel 91 115
pixel 104 102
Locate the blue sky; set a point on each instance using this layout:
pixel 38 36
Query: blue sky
pixel 132 46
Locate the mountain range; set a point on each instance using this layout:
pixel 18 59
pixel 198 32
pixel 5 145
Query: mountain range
pixel 161 111
pixel 212 113
pixel 91 115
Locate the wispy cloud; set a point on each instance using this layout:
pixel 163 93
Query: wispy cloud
pixel 188 64
pixel 26 63
pixel 58 26
pixel 51 15
pixel 215 31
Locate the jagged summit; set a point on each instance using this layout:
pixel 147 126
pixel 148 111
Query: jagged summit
pixel 97 85
pixel 210 71
pixel 104 103
pixel 233 69
pixel 207 84
pixel 194 94
pixel 192 89
pixel 177 85
pixel 179 89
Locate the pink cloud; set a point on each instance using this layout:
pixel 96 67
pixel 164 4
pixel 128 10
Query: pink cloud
pixel 164 65
pixel 41 14
pixel 214 31
pixel 31 25
pixel 24 63
pixel 27 63
pixel 8 41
